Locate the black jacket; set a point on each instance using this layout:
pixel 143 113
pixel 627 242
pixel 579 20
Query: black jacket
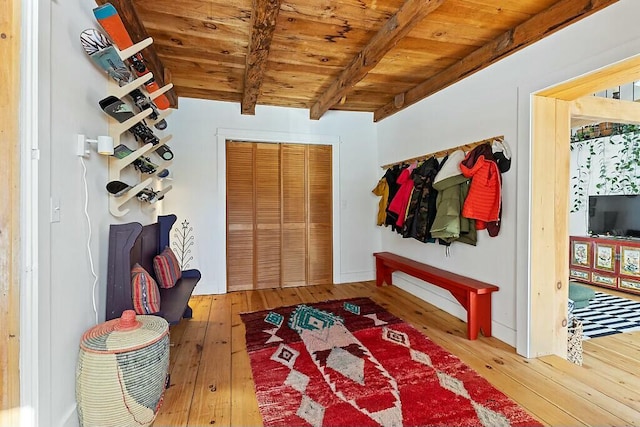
pixel 422 207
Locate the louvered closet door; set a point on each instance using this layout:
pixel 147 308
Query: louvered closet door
pixel 319 220
pixel 279 224
pixel 267 215
pixel 240 216
pixel 294 215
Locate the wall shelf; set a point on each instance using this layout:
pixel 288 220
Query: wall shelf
pixel 157 93
pixel 122 91
pixel 116 129
pixel 116 164
pixel 132 50
pixel 115 203
pixel 161 116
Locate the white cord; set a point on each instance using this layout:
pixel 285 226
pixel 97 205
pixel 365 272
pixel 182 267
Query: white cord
pixel 86 214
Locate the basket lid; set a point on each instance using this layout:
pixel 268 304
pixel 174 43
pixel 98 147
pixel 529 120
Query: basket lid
pixel 128 333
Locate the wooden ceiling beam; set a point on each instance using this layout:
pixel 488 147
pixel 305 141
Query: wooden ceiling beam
pixel 597 109
pixel 408 16
pixel 137 32
pixel 547 22
pixel 263 24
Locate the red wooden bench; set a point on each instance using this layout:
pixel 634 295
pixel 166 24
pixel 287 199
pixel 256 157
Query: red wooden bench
pixel 474 295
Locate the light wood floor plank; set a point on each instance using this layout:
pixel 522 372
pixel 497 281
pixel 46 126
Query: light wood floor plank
pixel 304 294
pixel 599 348
pixel 594 406
pixel 617 345
pixel 178 397
pixel 602 391
pixel 605 391
pixel 244 404
pixel 320 293
pixel 288 296
pixel 623 378
pixel 273 298
pixel 254 301
pixel 212 393
pixel 176 332
pixel 629 339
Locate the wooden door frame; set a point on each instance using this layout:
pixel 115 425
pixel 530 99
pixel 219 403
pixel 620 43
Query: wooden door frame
pixel 10 27
pixel 220 221
pixel 552 112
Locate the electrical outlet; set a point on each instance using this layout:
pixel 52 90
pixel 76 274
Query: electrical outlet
pixel 82 146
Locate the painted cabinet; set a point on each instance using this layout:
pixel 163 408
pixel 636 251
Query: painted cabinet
pixel 607 262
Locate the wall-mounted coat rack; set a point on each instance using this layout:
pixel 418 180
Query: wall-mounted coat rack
pixel 442 153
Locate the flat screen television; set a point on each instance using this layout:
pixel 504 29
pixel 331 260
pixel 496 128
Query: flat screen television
pixel 614 215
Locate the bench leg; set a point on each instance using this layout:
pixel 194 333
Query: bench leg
pixel 478 315
pixel 383 273
pixel 188 313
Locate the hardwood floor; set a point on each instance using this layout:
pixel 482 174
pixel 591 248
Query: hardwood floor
pixel 211 382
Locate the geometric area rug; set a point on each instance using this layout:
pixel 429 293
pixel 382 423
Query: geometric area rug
pixel 607 315
pixel 352 363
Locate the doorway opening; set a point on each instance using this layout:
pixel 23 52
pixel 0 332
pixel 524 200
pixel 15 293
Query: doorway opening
pixel 553 111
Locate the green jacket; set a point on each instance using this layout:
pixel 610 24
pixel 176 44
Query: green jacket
pixel 449 225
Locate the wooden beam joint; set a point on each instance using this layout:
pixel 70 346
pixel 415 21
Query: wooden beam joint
pixel 398 100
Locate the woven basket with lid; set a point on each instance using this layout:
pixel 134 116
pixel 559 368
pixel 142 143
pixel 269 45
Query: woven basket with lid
pixel 122 371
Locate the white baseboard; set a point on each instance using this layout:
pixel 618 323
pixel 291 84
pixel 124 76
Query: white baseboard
pixel 445 302
pixel 70 417
pixel 357 276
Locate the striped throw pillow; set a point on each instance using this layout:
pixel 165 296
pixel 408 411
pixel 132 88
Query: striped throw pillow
pixel 146 296
pixel 167 268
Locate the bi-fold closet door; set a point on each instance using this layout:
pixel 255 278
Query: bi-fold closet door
pixel 279 215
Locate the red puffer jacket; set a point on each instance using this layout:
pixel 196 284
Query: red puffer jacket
pixel 399 203
pixel 483 201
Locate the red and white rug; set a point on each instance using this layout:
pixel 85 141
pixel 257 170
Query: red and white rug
pixel 351 363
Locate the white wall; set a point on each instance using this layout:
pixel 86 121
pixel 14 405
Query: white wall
pixel 496 101
pixel 195 187
pixel 70 88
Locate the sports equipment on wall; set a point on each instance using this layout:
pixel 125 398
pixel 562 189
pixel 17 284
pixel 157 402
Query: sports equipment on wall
pixel 118 188
pixel 142 163
pixel 105 56
pixel 122 112
pixel 108 17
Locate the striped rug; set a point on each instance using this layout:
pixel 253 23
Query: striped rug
pixel 607 315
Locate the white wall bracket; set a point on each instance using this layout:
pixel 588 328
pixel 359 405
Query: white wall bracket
pixel 83 148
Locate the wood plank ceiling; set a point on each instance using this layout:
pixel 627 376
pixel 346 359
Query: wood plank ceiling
pixel 377 56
